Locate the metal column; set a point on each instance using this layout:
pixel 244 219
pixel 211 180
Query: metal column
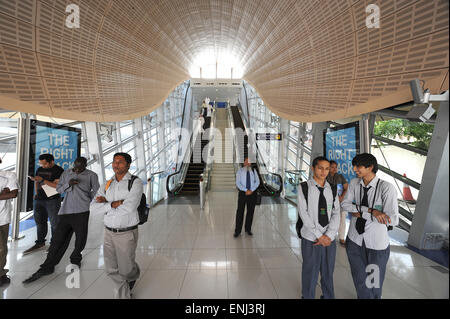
pixel 95 149
pixel 140 150
pixel 22 155
pixel 317 142
pixel 429 227
pixel 364 134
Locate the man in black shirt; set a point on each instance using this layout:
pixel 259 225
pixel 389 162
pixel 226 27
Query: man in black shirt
pixel 45 207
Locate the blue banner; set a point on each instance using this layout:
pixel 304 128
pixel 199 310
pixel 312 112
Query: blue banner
pixel 63 142
pixel 341 146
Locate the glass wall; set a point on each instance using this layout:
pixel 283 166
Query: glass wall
pixel 298 156
pixel 262 120
pixel 156 140
pixel 8 136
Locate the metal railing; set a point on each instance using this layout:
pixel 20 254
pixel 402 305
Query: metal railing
pixel 153 191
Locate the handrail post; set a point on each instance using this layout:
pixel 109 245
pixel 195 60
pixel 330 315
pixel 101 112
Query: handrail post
pixel 202 192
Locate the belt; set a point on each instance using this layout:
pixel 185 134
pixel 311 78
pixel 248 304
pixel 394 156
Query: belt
pixel 120 230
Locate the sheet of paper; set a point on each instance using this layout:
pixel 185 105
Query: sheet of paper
pixel 49 191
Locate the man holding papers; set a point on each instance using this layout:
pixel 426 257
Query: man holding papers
pixel 47 201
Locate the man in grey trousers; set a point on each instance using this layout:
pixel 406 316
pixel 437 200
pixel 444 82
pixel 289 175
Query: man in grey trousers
pixel 121 225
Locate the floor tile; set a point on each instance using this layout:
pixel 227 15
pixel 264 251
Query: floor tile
pixel 204 284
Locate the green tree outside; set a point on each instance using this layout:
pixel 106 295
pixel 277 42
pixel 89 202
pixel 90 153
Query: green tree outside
pixel 418 134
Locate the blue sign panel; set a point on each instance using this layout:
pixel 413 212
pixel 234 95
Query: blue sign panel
pixel 63 142
pixel 341 144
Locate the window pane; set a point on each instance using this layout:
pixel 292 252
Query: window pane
pixel 126 131
pixel 8 137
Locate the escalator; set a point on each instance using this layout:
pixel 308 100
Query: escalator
pixel 191 185
pixel 186 181
pixel 271 184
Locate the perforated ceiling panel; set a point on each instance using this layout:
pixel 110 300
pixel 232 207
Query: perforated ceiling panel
pixel 310 60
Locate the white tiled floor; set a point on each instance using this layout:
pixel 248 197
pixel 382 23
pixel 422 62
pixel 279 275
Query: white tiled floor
pixel 186 252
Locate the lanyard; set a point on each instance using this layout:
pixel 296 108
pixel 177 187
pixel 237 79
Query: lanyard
pixel 358 207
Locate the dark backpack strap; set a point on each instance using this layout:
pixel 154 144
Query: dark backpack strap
pixel 304 186
pixel 130 182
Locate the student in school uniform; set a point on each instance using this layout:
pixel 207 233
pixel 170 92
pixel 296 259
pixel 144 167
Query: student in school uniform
pixel 338 179
pixel 374 207
pixel 320 215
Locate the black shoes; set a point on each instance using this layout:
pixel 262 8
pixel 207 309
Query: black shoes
pixel 131 284
pixel 77 264
pixel 4 280
pixel 36 247
pixel 38 274
pixel 247 232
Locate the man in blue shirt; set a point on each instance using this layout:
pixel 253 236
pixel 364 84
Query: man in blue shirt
pixel 247 181
pixel 80 186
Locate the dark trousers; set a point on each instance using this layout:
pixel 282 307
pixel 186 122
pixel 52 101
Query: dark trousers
pixel 207 122
pixel 67 225
pixel 43 210
pixel 317 259
pixel 359 258
pixel 251 203
pixel 4 231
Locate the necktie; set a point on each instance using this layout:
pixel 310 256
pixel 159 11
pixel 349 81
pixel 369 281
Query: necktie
pixel 365 199
pixel 323 215
pixel 248 180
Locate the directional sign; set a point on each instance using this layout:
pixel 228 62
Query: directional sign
pixel 268 136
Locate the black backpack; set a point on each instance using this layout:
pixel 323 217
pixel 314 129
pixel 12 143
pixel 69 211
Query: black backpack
pixel 304 187
pixel 142 209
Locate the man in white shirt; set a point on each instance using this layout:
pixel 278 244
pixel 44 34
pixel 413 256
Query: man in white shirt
pixel 374 208
pixel 320 216
pixel 8 190
pixel 247 181
pixel 119 205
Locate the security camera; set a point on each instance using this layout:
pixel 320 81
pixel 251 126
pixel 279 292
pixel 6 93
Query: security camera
pixel 422 112
pixel 419 95
pixel 107 138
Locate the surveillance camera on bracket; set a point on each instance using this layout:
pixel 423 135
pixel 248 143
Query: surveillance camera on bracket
pixel 420 96
pixel 422 112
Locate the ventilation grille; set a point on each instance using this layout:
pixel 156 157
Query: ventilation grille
pixel 310 60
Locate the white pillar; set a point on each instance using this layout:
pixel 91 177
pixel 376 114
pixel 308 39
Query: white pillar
pixel 140 150
pixel 95 150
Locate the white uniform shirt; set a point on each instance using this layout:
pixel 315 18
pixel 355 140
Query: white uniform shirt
pixel 7 180
pixel 311 229
pixel 375 234
pixel 126 215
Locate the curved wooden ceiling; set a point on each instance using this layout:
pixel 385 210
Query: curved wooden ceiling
pixel 310 60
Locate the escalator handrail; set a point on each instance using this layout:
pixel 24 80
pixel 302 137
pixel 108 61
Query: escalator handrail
pixel 269 188
pixel 183 165
pixel 182 116
pixel 259 156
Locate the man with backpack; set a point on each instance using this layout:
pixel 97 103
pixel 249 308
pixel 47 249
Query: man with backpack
pixel 319 214
pixel 374 208
pixel 120 203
